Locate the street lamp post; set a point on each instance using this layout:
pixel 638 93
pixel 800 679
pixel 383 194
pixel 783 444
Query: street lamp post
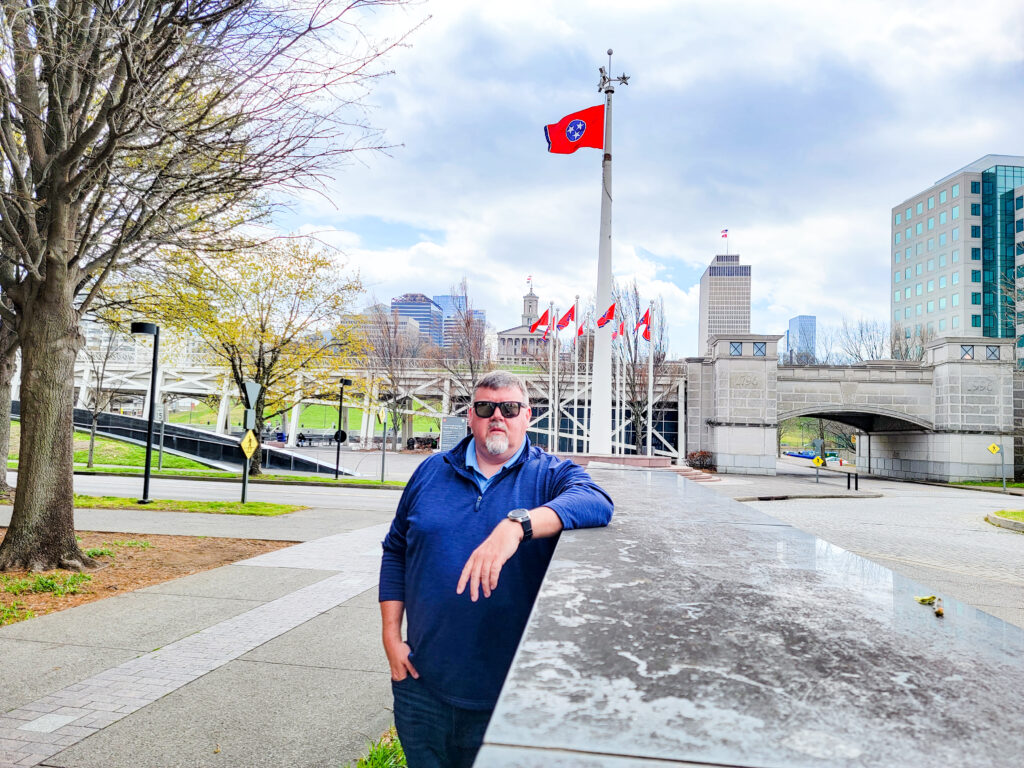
pixel 149 329
pixel 338 434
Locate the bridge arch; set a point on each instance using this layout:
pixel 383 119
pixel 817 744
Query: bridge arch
pixel 863 418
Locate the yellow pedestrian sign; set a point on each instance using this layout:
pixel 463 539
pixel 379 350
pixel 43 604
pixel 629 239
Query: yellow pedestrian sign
pixel 994 449
pixel 818 461
pixel 249 443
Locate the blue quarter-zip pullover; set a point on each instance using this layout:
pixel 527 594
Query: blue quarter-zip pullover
pixel 461 649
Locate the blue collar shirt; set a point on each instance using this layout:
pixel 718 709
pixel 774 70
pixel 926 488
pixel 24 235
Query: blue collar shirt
pixel 471 464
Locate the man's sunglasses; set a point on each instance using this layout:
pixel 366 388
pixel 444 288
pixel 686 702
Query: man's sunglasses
pixel 485 408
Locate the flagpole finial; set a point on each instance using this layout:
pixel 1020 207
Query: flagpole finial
pixel 607 82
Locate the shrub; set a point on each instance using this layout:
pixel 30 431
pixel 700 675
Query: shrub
pixel 700 460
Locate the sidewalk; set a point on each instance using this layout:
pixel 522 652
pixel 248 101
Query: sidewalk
pixel 270 661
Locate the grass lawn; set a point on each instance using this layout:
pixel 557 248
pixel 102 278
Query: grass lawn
pixel 109 451
pixel 314 416
pixel 1012 514
pixel 261 508
pixel 992 483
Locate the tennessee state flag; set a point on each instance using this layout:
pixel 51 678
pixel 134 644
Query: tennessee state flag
pixel 580 129
pixel 567 318
pixel 645 321
pixel 579 331
pixel 542 320
pixel 607 317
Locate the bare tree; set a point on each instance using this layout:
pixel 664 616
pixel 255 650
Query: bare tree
pixel 99 352
pixel 128 125
pixel 633 352
pixel 827 343
pixel 465 354
pixel 909 345
pixel 392 346
pixel 864 339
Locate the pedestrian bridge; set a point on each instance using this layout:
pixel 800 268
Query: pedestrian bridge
pixel 933 419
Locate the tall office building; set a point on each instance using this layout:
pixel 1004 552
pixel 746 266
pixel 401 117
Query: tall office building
pixel 424 311
pixel 724 299
pixel 955 248
pixel 801 339
pixel 451 308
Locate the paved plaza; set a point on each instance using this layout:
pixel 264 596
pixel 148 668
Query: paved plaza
pixel 276 660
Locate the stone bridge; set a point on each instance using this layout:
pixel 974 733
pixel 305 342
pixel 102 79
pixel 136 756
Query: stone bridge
pixel 933 419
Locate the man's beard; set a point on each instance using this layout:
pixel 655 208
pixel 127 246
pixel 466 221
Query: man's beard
pixel 496 443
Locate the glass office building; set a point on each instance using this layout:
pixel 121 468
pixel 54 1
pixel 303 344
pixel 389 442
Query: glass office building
pixel 801 339
pixel 956 250
pixel 424 311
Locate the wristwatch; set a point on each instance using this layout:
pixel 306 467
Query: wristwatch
pixel 522 516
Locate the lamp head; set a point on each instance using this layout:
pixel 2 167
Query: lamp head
pixel 148 329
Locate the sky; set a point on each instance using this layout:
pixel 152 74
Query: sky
pixel 796 125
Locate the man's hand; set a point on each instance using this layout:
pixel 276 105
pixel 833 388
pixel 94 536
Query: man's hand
pixel 484 565
pixel 398 659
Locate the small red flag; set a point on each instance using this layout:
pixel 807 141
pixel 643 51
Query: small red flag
pixel 567 317
pixel 542 320
pixel 546 329
pixel 579 331
pixel 645 321
pixel 580 129
pixel 621 331
pixel 607 317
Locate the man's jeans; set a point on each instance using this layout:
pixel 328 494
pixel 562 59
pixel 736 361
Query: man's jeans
pixel 435 734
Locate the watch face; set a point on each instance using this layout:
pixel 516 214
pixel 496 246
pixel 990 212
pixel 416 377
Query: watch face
pixel 519 514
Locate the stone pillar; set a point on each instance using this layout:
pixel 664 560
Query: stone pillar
pixel 293 423
pixel 973 391
pixel 223 410
pixel 159 394
pixel 744 420
pixel 83 390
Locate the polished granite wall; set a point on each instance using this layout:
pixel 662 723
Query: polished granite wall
pixel 695 630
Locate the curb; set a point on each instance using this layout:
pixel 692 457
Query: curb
pixel 310 483
pixel 1002 522
pixel 788 496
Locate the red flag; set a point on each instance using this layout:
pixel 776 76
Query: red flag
pixel 621 331
pixel 567 317
pixel 645 321
pixel 542 320
pixel 580 129
pixel 579 331
pixel 607 317
pixel 546 329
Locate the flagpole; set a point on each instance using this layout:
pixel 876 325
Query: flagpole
pixel 589 402
pixel 575 372
pixel 557 364
pixel 551 389
pixel 601 389
pixel 650 384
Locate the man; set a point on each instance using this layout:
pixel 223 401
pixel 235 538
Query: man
pixel 479 521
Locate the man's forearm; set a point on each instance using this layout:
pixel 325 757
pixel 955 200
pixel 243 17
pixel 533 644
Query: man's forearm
pixel 391 612
pixel 545 522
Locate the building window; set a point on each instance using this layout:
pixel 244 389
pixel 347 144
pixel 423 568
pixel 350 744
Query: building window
pixel 967 351
pixel 931 265
pixel 906 313
pixel 942 260
pixel 920 208
pixel 896 296
pixel 975 187
pixel 956 212
pixel 1020 225
pixel 975 209
pixel 919 228
pixel 956 255
pixel 975 298
pixel 942 281
pixel 991 353
pixel 986 254
pixel 955 299
pixel 956 190
pixel 918 310
pixel 956 322
pixel 956 278
pixel 931 202
pixel 931 286
pixel 976 321
pixel 942 324
pixel 919 249
pixel 907 215
pixel 906 292
pixel 956 233
pixel 1019 202
pixel 906 253
pixel 759 348
pixel 975 254
pixel 975 275
pixel 919 268
pixel 735 348
pixel 942 239
pixel 990 299
pixel 906 275
pixel 907 233
pixel 931 222
pixel 942 218
pixel 899 218
pixel 931 243
pixel 942 303
pixel 975 231
pixel 931 306
pixel 918 289
pixel 942 197
pixel 898 239
pixel 898 276
pixel 896 257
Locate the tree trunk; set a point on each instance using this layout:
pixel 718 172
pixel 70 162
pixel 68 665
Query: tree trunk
pixel 7 368
pixel 41 535
pixel 92 439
